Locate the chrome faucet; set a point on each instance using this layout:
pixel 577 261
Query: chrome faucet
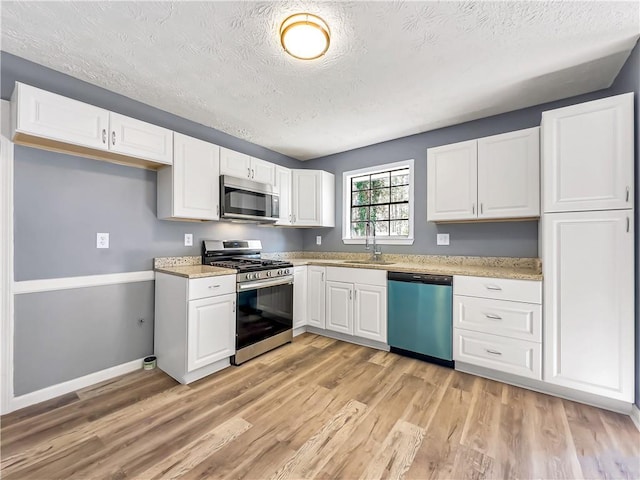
pixel 376 253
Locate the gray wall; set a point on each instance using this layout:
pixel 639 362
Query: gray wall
pixel 512 239
pixel 507 239
pixel 61 202
pixel 66 334
pixel 629 81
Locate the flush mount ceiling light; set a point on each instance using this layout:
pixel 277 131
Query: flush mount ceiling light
pixel 305 36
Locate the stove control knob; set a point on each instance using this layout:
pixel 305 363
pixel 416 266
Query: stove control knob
pixel 287 271
pixel 279 272
pixel 257 275
pixel 249 276
pixel 269 273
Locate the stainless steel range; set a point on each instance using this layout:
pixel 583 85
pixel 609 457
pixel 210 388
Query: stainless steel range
pixel 264 313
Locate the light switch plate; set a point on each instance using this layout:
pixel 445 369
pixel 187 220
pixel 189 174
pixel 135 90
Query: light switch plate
pixel 442 239
pixel 102 240
pixel 318 239
pixel 188 239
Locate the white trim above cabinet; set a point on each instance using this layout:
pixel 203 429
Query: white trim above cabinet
pixel 491 178
pixel 53 122
pixel 588 156
pixel 190 189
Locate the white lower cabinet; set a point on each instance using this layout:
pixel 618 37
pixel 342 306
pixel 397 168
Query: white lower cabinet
pixel 505 354
pixel 211 336
pixel 195 325
pixel 356 302
pixel 370 315
pixel 316 296
pixel 299 297
pixel 497 324
pixel 339 310
pixel 589 302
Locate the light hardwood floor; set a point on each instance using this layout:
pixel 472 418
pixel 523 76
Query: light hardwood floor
pixel 317 408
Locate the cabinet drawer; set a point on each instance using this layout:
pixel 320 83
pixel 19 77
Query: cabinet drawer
pixel 508 355
pixel 211 286
pixel 498 317
pixel 529 291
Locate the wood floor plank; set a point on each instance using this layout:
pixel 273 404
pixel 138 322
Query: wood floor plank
pixel 435 458
pixel 316 408
pixel 312 456
pixel 481 428
pixel 192 454
pixel 396 454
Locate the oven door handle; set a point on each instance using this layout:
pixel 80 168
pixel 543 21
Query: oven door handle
pixel 264 284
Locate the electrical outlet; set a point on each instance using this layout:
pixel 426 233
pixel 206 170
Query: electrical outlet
pixel 102 240
pixel 188 239
pixel 319 240
pixel 442 239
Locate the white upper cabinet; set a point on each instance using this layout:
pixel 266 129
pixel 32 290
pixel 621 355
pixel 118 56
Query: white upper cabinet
pixel 241 165
pixel 191 188
pixel 135 138
pixel 452 182
pixel 262 171
pixel 313 202
pixel 509 175
pixel 589 302
pixel 495 177
pixel 234 163
pixel 283 185
pixel 47 115
pixel 53 122
pixel 588 156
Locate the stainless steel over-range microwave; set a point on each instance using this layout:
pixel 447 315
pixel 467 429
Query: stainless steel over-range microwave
pixel 242 199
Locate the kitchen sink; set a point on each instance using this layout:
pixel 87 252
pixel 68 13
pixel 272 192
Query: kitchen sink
pixel 369 262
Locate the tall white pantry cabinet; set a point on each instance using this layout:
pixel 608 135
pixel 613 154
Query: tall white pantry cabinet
pixel 587 247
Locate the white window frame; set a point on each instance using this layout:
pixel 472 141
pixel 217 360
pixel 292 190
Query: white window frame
pixel 346 203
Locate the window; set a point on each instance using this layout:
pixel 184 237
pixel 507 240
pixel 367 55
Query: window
pixel 382 195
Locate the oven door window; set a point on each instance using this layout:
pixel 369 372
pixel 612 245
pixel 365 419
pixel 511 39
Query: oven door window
pixel 263 313
pixel 244 202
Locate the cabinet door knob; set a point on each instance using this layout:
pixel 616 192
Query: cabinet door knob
pixel 248 172
pixel 104 135
pixel 113 137
pixel 627 197
pixel 481 208
pixel 492 316
pixel 234 306
pixel 350 295
pixel 628 224
pixel 218 210
pixel 492 287
pixel 473 208
pixel 492 352
pixel 253 173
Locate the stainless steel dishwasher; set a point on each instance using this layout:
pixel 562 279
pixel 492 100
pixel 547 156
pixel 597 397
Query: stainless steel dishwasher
pixel 420 316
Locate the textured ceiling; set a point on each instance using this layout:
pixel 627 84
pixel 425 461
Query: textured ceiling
pixel 393 69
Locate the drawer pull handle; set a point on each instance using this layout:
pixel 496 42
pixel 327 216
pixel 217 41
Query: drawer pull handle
pixel 492 352
pixel 493 317
pixel 214 286
pixel 493 287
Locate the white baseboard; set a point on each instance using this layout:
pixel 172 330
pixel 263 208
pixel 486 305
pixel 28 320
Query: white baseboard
pixel 635 416
pixel 348 338
pixel 72 385
pixel 299 331
pixel 613 405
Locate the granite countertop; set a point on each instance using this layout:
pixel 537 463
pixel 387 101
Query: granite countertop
pixel 494 267
pixel 195 271
pixel 502 271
